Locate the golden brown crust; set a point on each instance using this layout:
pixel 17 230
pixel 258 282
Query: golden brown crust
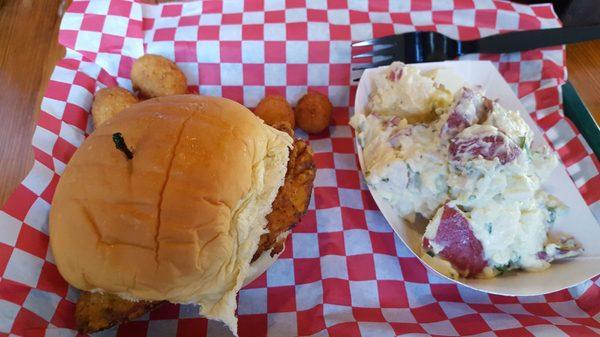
pixel 284 127
pixel 156 76
pixel 313 112
pixel 96 311
pixel 110 101
pixel 275 109
pixel 99 311
pixel 148 226
pixel 292 199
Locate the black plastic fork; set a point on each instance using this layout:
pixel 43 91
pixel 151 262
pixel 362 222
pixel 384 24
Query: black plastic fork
pixel 414 47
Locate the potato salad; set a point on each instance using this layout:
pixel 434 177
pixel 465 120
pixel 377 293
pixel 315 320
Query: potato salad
pixel 437 148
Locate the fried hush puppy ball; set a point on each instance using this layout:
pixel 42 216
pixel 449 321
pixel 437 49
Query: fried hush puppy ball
pixel 155 76
pixel 274 109
pixel 313 112
pixel 110 101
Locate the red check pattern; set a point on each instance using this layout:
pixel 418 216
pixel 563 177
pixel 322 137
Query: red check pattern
pixel 344 273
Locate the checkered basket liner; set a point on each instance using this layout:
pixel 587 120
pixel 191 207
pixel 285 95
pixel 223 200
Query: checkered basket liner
pixel 344 272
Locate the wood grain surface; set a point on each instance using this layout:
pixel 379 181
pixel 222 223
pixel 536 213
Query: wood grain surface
pixel 583 65
pixel 29 50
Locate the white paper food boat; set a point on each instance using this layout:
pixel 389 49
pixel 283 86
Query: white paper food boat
pixel 577 222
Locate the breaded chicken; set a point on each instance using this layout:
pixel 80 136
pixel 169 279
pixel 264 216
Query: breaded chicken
pixel 292 200
pixel 99 311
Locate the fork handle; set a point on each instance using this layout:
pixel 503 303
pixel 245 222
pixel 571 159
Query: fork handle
pixel 530 39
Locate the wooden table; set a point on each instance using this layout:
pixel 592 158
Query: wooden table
pixel 30 50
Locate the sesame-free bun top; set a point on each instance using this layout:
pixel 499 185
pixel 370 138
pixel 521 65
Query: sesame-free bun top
pixel 179 221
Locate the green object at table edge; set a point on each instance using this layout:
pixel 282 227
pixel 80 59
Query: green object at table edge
pixel 578 113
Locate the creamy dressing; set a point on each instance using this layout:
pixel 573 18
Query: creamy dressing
pixel 403 163
pixel 403 92
pixel 428 141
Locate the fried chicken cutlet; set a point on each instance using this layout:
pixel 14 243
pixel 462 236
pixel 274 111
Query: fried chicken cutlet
pixel 292 200
pixel 99 311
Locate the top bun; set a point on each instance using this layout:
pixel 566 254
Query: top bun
pixel 179 221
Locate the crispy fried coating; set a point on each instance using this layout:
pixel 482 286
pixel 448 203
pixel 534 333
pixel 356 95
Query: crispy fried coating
pixel 99 311
pixel 313 112
pixel 275 109
pixel 155 76
pixel 292 199
pixel 284 127
pixel 110 101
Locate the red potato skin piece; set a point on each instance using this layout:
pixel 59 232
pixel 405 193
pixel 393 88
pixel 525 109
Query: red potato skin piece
pixel 458 119
pixel 488 147
pixel 461 248
pixel 395 75
pixel 455 124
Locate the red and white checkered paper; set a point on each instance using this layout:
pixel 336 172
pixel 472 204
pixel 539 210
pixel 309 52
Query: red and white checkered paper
pixel 344 273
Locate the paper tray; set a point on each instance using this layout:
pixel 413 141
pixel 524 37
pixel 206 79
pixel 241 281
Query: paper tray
pixel 578 222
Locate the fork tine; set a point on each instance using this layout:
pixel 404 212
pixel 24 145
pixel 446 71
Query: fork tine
pixel 381 40
pixel 389 51
pixel 383 62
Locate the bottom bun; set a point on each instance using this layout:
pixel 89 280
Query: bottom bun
pixel 266 260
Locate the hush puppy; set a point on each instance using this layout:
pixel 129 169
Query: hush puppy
pixel 156 76
pixel 313 112
pixel 274 109
pixel 110 101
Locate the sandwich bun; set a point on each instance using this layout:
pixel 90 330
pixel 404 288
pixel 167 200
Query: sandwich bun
pixel 180 220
